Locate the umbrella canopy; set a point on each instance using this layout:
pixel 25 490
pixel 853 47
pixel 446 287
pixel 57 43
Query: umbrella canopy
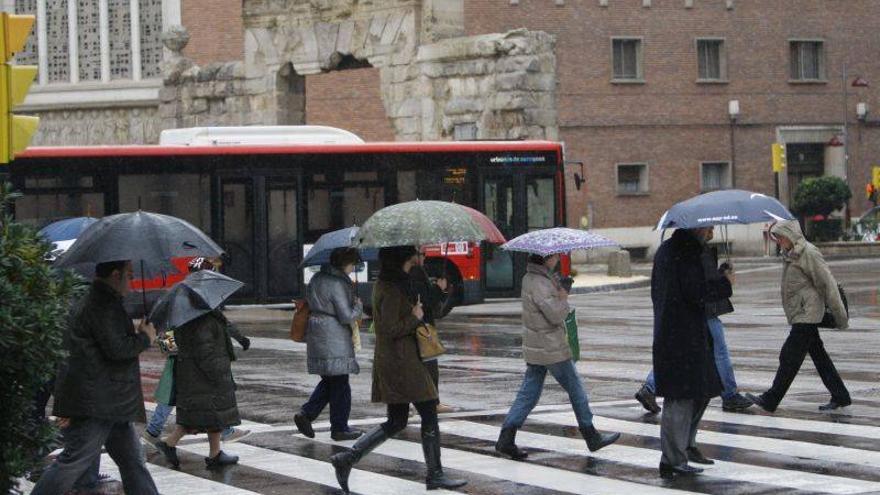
pixel 416 223
pixel 321 250
pixel 557 240
pixel 197 294
pixel 67 229
pixel 488 227
pixel 732 206
pixel 142 237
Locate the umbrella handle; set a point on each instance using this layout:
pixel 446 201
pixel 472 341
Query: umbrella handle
pixel 144 292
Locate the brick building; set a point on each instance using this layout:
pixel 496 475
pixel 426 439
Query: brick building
pixel 659 99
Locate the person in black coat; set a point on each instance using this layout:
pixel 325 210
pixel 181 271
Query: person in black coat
pixel 684 365
pixel 98 390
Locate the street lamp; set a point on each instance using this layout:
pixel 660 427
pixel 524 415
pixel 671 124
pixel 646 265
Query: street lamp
pixel 733 113
pixel 858 82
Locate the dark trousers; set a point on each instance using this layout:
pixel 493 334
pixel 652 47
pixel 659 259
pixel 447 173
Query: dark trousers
pixel 336 391
pixel 678 428
pixel 398 414
pixel 83 440
pixel 434 370
pixel 803 339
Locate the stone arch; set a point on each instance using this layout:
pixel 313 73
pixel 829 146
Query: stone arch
pixel 290 96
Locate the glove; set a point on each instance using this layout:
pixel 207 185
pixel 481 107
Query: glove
pixel 245 343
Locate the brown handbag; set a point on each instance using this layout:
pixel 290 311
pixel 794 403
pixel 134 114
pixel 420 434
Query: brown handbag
pixel 300 322
pixel 429 341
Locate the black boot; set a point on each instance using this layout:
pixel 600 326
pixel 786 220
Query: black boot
pixel 648 400
pixel 596 440
pixel 431 448
pixel 344 461
pixel 506 444
pixel 668 472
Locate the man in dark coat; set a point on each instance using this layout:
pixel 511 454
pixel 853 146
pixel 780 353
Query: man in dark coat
pixel 684 365
pixel 98 389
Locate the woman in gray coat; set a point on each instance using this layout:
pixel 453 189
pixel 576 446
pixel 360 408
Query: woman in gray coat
pixel 330 351
pixel 545 348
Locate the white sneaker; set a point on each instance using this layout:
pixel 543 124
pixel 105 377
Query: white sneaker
pixel 234 436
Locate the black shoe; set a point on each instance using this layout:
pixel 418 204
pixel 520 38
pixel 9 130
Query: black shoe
pixel 596 440
pixel 436 478
pixel 220 460
pixel 350 434
pixel 694 455
pixel 169 452
pixel 344 461
pixel 647 399
pixel 759 401
pixel 506 445
pixel 669 472
pixel 736 403
pixel 304 425
pixel 835 404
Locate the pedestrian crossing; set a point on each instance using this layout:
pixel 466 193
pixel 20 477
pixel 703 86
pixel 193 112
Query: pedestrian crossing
pixel 755 453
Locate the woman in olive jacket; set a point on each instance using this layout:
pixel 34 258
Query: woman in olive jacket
pixel 399 375
pixel 205 388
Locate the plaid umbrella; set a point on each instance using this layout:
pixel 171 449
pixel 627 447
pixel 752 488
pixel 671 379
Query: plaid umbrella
pixel 557 240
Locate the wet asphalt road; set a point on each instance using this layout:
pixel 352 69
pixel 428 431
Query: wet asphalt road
pixel 799 450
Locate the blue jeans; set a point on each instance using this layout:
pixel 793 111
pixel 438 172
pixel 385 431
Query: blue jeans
pixel 533 384
pixel 722 362
pixel 83 440
pixel 336 391
pixel 160 417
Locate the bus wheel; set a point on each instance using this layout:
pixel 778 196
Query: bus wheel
pixel 435 269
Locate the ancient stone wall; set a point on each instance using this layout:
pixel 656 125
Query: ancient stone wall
pixel 433 79
pixel 79 127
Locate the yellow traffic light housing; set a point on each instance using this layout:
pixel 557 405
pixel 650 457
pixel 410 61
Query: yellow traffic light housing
pixel 16 131
pixel 777 151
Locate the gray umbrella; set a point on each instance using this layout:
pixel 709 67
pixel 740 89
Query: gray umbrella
pixel 199 293
pixel 142 237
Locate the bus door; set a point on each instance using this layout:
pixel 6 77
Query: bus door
pixel 517 203
pixel 259 231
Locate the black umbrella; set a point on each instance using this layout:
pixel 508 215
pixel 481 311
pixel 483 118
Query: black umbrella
pixel 199 293
pixel 149 240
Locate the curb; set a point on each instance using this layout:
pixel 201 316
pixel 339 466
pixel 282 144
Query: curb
pixel 611 287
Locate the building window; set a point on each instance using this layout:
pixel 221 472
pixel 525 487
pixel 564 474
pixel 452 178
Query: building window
pixel 114 40
pixel 715 176
pixel 627 59
pixel 807 60
pixel 711 64
pixel 632 178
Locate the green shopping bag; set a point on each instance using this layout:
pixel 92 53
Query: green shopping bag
pixel 571 331
pixel 165 390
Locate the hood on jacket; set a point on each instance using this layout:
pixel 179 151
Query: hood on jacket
pixel 790 229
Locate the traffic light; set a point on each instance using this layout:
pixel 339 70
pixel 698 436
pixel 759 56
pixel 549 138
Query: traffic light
pixel 15 130
pixel 777 151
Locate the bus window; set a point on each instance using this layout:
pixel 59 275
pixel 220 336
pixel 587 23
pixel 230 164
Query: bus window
pixel 406 186
pixel 186 196
pixel 540 203
pixel 39 209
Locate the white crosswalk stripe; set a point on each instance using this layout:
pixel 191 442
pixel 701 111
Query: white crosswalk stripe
pixel 754 458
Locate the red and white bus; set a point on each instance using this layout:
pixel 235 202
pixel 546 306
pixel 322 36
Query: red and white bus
pixel 263 202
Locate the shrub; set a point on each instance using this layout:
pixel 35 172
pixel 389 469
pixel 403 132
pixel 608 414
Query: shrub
pixel 820 196
pixel 33 312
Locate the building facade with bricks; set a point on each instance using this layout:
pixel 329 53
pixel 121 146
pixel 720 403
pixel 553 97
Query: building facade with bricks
pixel 655 100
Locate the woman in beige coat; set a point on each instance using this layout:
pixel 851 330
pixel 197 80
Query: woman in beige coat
pixel 808 288
pixel 399 375
pixel 545 348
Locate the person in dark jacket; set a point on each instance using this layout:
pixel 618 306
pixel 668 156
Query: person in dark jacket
pixel 399 376
pixel 731 399
pixel 98 390
pixel 433 295
pixel 684 365
pixel 330 351
pixel 205 388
